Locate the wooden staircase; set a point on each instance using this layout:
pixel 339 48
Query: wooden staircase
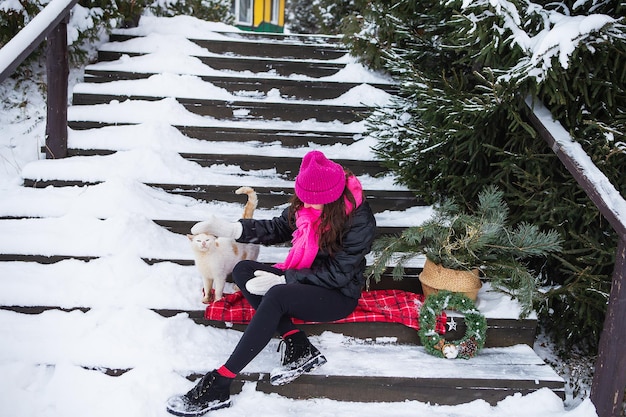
pixel 232 113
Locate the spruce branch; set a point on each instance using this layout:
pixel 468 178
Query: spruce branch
pixel 466 240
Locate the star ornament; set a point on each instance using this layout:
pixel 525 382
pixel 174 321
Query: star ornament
pixel 451 324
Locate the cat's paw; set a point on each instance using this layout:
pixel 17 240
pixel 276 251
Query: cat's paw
pixel 208 299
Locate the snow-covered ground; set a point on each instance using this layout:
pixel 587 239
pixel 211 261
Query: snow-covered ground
pixel 43 357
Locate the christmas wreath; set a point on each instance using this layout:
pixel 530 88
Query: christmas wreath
pixel 476 324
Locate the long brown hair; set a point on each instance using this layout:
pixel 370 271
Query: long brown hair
pixel 333 218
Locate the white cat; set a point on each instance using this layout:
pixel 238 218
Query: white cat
pixel 215 257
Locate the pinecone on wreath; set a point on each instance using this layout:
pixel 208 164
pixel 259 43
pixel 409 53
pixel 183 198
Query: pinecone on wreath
pixel 468 348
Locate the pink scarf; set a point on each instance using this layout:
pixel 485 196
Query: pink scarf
pixel 306 236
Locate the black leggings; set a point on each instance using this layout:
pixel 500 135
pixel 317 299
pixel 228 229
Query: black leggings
pixel 275 309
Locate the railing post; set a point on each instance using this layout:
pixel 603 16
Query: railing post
pixel 609 378
pixel 57 68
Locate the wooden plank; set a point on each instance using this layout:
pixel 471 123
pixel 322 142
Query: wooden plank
pixel 284 68
pixel 104 56
pixel 182 227
pixel 57 71
pixel 249 110
pixel 86 124
pixel 293 112
pixel 301 89
pixel 20 46
pixel 286 166
pixel 609 379
pixel 443 391
pixel 42 259
pixel 269 197
pixel 57 183
pixel 500 332
pixel 32 310
pixel 448 391
pixel 608 389
pixel 287 138
pixel 287 37
pixel 280 37
pixel 255 48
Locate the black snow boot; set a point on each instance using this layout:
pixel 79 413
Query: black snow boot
pixel 211 393
pixel 299 356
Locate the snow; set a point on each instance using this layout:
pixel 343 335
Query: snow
pixel 606 191
pixel 558 36
pixel 46 359
pixel 12 50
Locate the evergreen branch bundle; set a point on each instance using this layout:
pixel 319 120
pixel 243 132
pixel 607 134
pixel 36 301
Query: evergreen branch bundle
pixel 480 239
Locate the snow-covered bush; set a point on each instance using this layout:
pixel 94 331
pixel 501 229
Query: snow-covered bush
pixel 320 16
pixel 90 19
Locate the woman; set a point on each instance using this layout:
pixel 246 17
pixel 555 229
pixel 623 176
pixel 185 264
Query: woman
pixel 331 228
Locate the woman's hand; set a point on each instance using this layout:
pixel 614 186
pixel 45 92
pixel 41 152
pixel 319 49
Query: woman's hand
pixel 263 281
pixel 219 228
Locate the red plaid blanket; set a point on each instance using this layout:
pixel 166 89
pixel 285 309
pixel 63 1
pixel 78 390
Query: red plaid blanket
pixel 389 306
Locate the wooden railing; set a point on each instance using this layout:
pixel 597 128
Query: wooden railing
pixel 609 378
pixel 50 24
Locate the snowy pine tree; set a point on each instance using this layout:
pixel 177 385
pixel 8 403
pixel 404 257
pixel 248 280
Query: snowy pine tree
pixel 459 122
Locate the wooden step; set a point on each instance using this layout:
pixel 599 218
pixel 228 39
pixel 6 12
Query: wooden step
pixel 379 200
pixel 287 138
pixel 287 37
pixel 265 47
pixel 277 50
pixel 242 109
pixel 183 226
pixel 269 197
pixel 286 167
pixel 285 68
pixel 491 377
pixel 468 381
pixel 290 88
pixel 298 38
pixel 501 332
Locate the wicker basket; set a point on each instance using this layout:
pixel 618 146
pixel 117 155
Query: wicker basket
pixel 435 277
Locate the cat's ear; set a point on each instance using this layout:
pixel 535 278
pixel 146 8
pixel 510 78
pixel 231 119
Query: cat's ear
pixel 190 237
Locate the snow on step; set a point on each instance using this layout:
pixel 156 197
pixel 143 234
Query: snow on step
pixel 144 338
pixel 170 138
pixel 168 110
pixel 193 87
pixel 178 55
pixel 126 233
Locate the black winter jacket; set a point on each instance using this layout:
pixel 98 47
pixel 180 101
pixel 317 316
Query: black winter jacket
pixel 343 270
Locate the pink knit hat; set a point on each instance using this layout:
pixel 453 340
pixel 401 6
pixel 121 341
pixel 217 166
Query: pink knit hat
pixel 320 180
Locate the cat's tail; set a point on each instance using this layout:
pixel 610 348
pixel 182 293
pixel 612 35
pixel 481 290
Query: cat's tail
pixel 251 204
